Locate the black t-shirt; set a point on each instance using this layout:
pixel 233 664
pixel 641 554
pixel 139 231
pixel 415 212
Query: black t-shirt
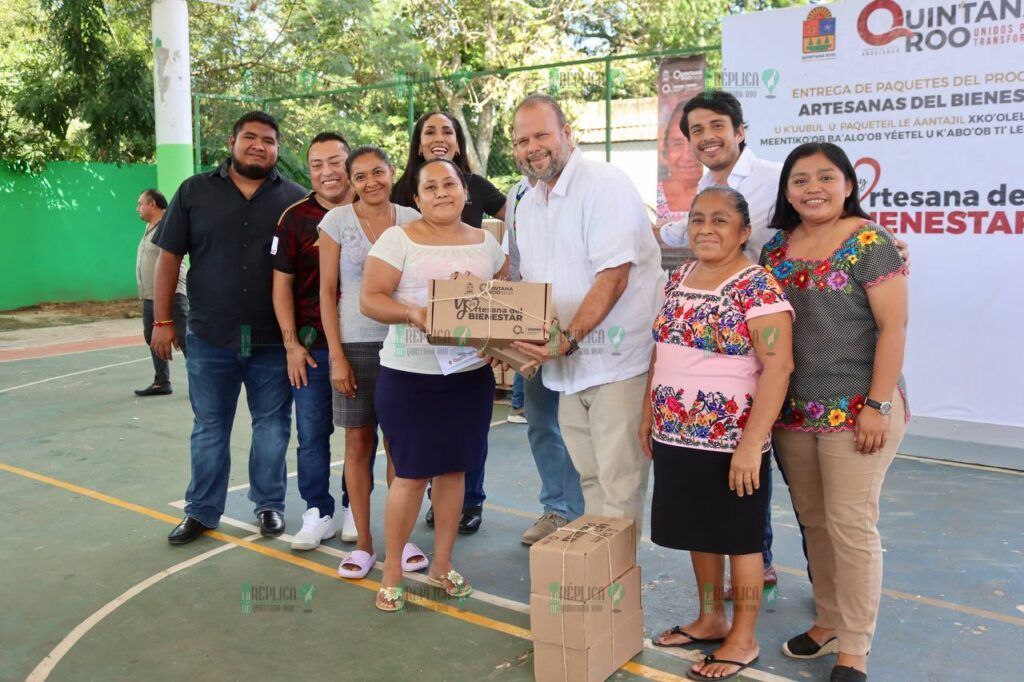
pixel 484 198
pixel 227 239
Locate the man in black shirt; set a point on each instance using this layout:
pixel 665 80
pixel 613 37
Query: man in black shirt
pixel 224 220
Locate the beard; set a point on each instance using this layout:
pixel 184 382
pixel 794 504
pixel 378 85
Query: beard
pixel 555 166
pixel 253 171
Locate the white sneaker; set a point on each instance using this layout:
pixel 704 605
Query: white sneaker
pixel 315 528
pixel 348 528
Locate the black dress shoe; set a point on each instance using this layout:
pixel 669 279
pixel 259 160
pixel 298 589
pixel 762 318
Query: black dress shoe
pixel 186 531
pixel 429 518
pixel 471 519
pixel 154 389
pixel 844 673
pixel 271 523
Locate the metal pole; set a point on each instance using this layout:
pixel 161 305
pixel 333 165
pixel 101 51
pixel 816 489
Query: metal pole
pixel 197 130
pixel 410 97
pixel 608 109
pixel 172 94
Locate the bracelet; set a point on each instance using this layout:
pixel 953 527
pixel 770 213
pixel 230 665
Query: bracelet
pixel 164 323
pixel 407 320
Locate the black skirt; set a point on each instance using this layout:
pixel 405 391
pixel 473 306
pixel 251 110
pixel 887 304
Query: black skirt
pixel 435 424
pixel 693 509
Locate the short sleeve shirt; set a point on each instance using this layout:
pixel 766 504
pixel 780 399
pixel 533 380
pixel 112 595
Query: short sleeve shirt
pixel 593 219
pixel 835 331
pixel 406 347
pixel 706 371
pixel 227 238
pixel 342 225
pixel 296 251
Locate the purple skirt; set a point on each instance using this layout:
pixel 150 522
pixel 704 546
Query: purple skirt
pixel 435 424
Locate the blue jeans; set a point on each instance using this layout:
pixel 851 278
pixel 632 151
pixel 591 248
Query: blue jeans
pixel 314 424
pixel 518 392
pixel 215 377
pixel 560 490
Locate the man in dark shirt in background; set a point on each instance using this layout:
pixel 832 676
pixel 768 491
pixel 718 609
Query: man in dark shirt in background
pixel 296 259
pixel 224 220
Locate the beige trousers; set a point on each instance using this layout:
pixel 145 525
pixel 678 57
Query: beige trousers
pixel 599 427
pixel 835 492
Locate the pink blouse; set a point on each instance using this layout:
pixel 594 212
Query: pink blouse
pixel 706 371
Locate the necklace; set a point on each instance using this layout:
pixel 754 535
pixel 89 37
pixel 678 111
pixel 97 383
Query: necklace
pixel 368 224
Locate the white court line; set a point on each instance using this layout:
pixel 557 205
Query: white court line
pixel 46 666
pixel 496 600
pixel 71 374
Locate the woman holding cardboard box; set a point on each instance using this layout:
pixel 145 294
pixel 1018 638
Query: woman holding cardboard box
pixel 435 420
pixel 439 135
pixel 718 378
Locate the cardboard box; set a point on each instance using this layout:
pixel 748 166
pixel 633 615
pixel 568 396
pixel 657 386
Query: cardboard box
pixel 602 656
pixel 489 316
pixel 495 227
pixel 590 551
pixel 495 312
pixel 563 618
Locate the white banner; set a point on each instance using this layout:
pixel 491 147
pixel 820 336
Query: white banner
pixel 927 98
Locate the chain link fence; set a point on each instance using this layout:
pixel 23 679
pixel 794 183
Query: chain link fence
pixel 611 103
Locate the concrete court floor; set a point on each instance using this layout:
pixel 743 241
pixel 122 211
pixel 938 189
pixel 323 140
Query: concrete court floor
pixel 91 589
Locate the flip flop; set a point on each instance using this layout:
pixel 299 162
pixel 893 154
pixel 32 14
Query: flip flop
pixel 710 658
pixel 394 599
pixel 411 550
pixel 453 584
pixel 363 560
pixel 678 630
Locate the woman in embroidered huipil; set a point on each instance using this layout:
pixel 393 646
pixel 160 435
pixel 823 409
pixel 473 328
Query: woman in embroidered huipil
pixel 846 410
pixel 718 378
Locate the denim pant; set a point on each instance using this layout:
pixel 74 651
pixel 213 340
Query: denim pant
pixel 314 424
pixel 162 374
pixel 215 377
pixel 518 392
pixel 560 490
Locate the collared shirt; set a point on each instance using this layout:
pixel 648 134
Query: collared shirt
pixel 227 238
pixel 145 265
pixel 593 219
pixel 295 250
pixel 758 181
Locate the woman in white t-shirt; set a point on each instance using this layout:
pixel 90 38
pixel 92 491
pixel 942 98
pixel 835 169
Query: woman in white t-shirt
pixel 436 424
pixel 346 235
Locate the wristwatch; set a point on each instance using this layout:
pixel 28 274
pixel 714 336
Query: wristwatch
pixel 574 345
pixel 883 408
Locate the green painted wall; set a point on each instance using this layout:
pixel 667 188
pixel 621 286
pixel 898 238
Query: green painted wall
pixel 70 233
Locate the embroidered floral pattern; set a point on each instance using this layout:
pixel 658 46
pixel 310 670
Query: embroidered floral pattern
pixel 835 414
pixel 830 274
pixel 712 419
pixel 714 322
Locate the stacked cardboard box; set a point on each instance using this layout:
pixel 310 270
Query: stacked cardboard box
pixel 503 377
pixel 585 609
pixel 466 311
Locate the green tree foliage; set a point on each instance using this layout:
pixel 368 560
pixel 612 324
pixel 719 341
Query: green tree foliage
pixel 76 80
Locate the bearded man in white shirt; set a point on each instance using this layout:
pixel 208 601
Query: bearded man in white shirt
pixel 584 229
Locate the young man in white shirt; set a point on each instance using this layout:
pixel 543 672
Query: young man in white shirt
pixel 584 229
pixel 713 124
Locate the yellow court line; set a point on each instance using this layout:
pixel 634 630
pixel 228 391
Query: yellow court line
pixel 422 602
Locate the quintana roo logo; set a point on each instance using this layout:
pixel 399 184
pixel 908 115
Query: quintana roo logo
pixel 819 31
pixel 896 30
